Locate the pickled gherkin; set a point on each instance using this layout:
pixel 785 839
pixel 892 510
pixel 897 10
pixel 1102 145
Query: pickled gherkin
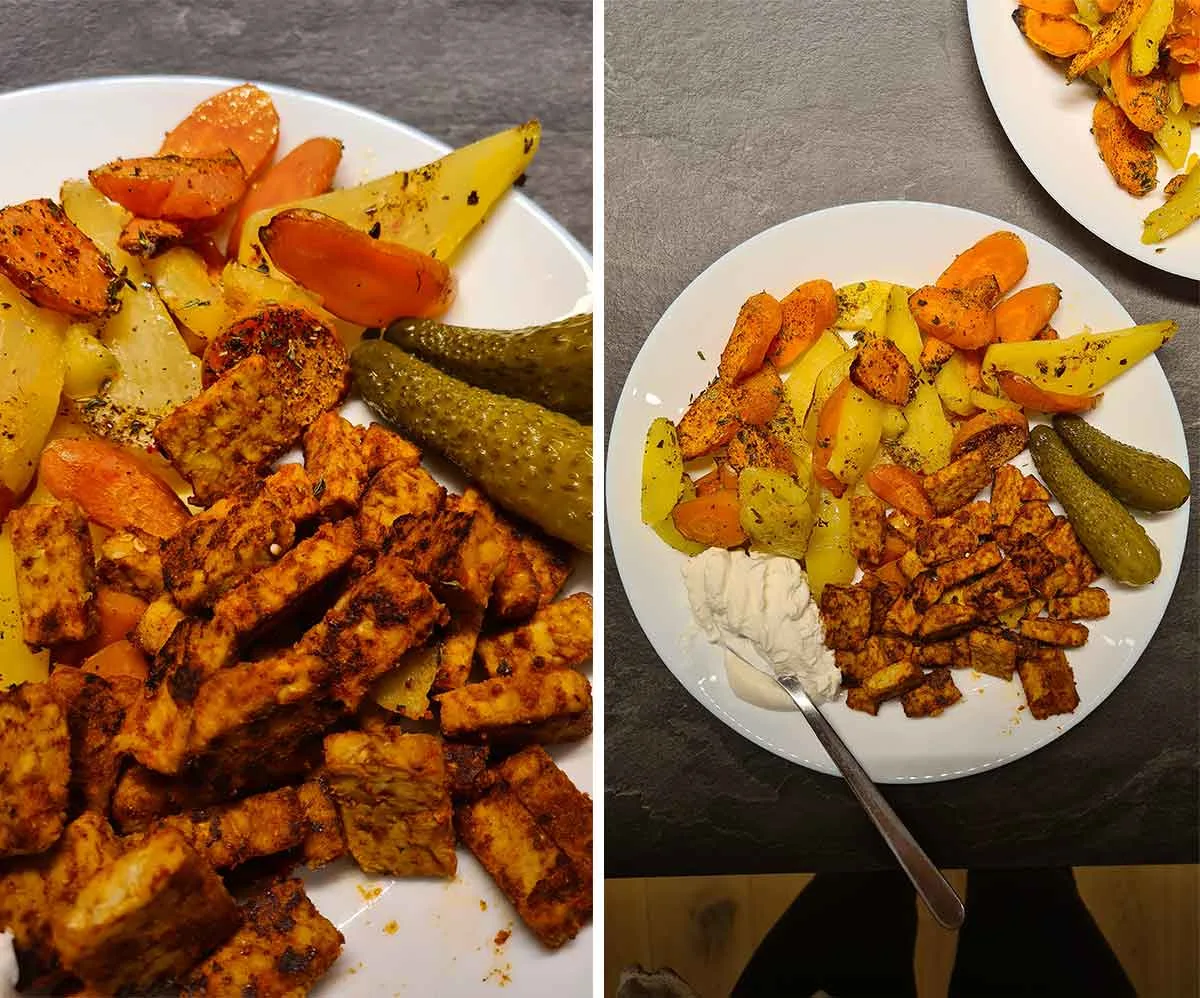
pixel 549 364
pixel 1136 477
pixel 1117 542
pixel 534 462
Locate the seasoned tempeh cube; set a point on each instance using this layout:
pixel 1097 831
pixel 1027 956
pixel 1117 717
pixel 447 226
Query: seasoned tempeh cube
pixel 216 549
pixel 993 653
pixel 231 834
pixel 944 539
pixel 94 715
pixel 531 707
pixel 925 590
pixel 398 489
pixel 546 888
pixel 146 917
pixel 902 618
pixel 933 696
pixel 856 666
pixel 142 796
pixel 384 614
pixel 24 908
pixel 456 647
pixel 867 524
pixel 1048 681
pixel 255 603
pixel 1033 491
pixel 858 699
pixel 987 557
pixel 157 624
pixel 945 620
pixel 533 574
pixel 957 483
pixel 130 562
pixel 1062 542
pixel 846 616
pixel 324 840
pixel 1055 632
pixel 228 435
pixel 283 948
pixel 883 595
pixel 558 636
pixel 952 653
pixel 1033 519
pixel 1006 495
pixel 56 573
pixel 87 846
pixel 1002 587
pixel 394 799
pixel 560 808
pixel 910 564
pixel 904 525
pixel 892 681
pixel 1088 604
pixel 467 770
pixel 429 542
pixel 336 464
pixel 35 769
pixel 381 447
pixel 484 551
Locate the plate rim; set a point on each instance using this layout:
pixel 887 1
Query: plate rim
pixel 991 87
pixel 821 765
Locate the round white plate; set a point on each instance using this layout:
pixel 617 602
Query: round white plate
pixel 908 243
pixel 408 937
pixel 1049 124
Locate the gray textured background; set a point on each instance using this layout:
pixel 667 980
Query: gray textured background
pixel 457 70
pixel 722 120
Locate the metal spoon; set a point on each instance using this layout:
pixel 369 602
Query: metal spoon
pixel 939 897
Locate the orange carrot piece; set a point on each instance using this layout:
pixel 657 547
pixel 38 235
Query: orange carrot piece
pixel 360 279
pixel 305 172
pixel 953 315
pixel 712 519
pixel 1110 36
pixel 934 354
pixel 118 614
pixel 1184 50
pixel 709 422
pixel 1055 8
pixel 172 187
pixel 1047 333
pixel 899 487
pixel 1144 99
pixel 827 427
pixel 1189 84
pixel 807 312
pixel 112 486
pixel 1026 313
pixel 758 398
pixel 973 367
pixel 1127 151
pixel 53 262
pixel 997 435
pixel 1025 393
pixel 242 119
pixel 147 237
pixel 721 477
pixel 1055 35
pixel 1107 6
pixel 756 325
pixel 1001 254
pixel 121 658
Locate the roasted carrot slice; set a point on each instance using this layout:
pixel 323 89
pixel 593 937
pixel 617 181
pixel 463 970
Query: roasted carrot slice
pixel 1110 36
pixel 953 315
pixel 1127 151
pixel 306 171
pixel 757 399
pixel 827 426
pixel 1189 84
pixel 172 187
pixel 709 422
pixel 883 372
pixel 1025 393
pixel 360 279
pixel 721 477
pixel 1143 98
pixel 755 327
pixel 242 119
pixel 146 237
pixel 1055 8
pixel 118 614
pixel 997 435
pixel 112 486
pixel 1026 313
pixel 713 519
pixel 1055 35
pixel 899 487
pixel 51 260
pixel 934 354
pixel 807 312
pixel 120 658
pixel 1001 254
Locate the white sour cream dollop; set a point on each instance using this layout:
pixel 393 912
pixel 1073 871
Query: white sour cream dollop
pixel 759 609
pixel 9 973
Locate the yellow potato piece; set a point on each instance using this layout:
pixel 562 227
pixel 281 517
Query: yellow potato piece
pixel 952 385
pixel 829 558
pixel 925 444
pixel 181 278
pixel 901 327
pixel 859 430
pixel 662 471
pixel 775 511
pixel 802 381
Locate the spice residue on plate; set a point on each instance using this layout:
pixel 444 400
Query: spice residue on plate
pixel 391 928
pixel 369 893
pixel 502 937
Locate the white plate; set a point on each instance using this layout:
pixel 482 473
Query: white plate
pixel 908 243
pixel 1049 124
pixel 416 937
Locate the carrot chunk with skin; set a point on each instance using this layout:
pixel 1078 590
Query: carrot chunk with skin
pixel 172 187
pixel 712 519
pixel 360 279
pixel 242 119
pixel 1127 151
pixel 1026 313
pixel 755 328
pixel 1001 254
pixel 953 316
pixel 899 487
pixel 1054 34
pixel 1025 393
pixel 827 425
pixel 806 313
pixel 1144 99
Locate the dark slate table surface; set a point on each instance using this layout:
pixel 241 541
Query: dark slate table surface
pixel 457 69
pixel 722 120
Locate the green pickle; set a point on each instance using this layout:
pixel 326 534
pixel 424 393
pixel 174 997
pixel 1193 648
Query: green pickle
pixel 1118 543
pixel 550 364
pixel 534 462
pixel 1136 477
